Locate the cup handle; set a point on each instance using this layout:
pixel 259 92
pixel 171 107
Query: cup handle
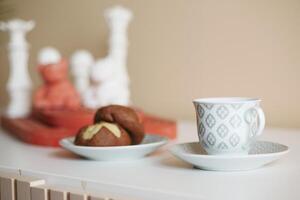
pixel 261 120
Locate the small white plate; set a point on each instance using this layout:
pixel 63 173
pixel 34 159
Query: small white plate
pixel 261 153
pixel 116 153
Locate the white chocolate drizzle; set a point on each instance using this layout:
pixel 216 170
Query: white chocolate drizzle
pixel 93 129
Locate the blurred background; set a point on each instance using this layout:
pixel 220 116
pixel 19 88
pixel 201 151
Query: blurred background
pixel 181 49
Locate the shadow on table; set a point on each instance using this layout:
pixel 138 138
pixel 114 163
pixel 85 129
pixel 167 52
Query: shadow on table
pixel 66 155
pixel 175 163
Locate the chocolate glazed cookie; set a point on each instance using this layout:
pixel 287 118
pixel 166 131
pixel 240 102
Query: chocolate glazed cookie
pixel 125 117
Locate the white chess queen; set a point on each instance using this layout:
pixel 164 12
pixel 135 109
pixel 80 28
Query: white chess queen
pixel 109 77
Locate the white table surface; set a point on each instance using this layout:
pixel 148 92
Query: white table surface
pixel 162 173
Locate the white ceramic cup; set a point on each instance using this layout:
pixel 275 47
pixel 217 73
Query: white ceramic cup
pixel 228 125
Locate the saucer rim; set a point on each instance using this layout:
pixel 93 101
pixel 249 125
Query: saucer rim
pixel 175 152
pixel 68 141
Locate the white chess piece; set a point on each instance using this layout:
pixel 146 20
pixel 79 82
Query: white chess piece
pixel 19 83
pixel 81 62
pixel 110 80
pixel 48 55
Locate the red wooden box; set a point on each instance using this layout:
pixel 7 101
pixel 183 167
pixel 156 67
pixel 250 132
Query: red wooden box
pixel 48 127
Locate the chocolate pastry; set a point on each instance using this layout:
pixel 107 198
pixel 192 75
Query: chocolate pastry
pixel 125 117
pixel 102 134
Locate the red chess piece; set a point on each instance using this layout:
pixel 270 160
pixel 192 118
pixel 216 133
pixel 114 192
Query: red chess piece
pixel 57 91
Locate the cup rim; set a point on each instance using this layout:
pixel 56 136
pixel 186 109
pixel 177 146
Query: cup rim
pixel 226 100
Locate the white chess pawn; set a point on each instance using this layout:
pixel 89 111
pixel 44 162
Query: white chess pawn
pixel 81 62
pixel 110 80
pixel 19 83
pixel 48 55
pixel 108 86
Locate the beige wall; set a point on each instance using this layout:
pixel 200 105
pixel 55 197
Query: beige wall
pixel 181 50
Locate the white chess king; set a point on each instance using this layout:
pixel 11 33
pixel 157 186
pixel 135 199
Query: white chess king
pixel 19 82
pixel 109 77
pixel 81 62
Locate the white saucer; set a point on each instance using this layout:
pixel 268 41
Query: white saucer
pixel 116 153
pixel 261 153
